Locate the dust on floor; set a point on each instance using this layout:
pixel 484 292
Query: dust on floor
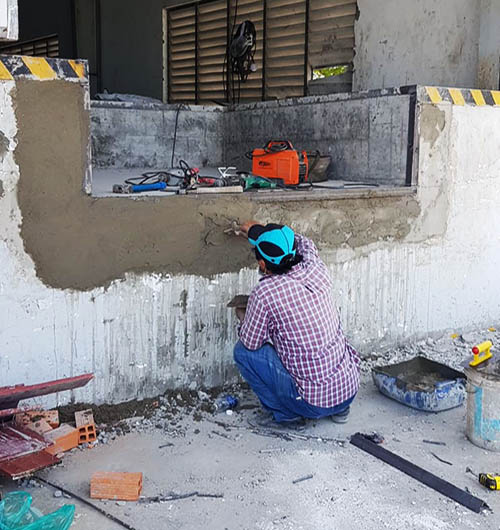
pixel 194 450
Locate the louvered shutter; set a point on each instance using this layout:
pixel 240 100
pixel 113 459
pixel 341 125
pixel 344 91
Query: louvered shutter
pixel 253 10
pixel 292 37
pixel 181 34
pixel 285 48
pixel 212 43
pixel 331 32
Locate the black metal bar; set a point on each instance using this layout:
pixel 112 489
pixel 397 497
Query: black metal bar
pixel 412 92
pixel 306 49
pixel 264 49
pixel 438 484
pixel 228 39
pixel 74 40
pixel 196 54
pixel 98 44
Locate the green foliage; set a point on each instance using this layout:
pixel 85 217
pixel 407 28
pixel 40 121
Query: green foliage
pixel 329 71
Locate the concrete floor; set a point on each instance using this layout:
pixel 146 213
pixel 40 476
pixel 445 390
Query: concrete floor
pixel 254 473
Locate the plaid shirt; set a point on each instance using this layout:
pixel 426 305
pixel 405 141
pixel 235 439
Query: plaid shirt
pixel 295 312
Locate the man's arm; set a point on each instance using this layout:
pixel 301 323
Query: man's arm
pixel 254 331
pixel 306 248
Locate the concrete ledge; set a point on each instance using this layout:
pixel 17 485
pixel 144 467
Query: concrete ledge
pixel 331 195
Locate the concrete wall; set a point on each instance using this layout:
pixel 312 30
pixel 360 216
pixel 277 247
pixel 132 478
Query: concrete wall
pixel 367 137
pixel 9 23
pixel 365 134
pixel 404 42
pixel 488 72
pixel 125 135
pixel 135 291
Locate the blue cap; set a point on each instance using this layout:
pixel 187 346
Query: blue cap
pixel 274 242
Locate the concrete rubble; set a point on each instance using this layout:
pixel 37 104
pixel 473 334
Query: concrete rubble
pixel 218 471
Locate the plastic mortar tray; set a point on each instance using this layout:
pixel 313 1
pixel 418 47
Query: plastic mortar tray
pixel 421 384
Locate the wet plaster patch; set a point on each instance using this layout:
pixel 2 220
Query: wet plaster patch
pixel 432 122
pixel 82 242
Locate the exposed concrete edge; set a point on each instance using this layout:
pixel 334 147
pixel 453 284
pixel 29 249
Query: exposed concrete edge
pixel 305 100
pixel 332 195
pixel 127 105
pixel 458 96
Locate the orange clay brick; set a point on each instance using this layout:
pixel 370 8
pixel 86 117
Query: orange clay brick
pixel 50 416
pixel 116 486
pixel 40 426
pixel 64 437
pixel 86 434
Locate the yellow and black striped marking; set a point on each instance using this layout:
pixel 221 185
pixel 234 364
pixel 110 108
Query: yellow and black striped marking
pixel 42 68
pixel 462 96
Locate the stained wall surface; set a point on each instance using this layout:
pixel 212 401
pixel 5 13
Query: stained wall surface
pixel 425 42
pixel 136 291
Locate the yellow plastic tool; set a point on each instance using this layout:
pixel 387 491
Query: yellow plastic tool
pixel 492 482
pixel 482 352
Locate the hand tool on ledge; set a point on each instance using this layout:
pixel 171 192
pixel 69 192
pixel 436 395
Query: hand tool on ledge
pixel 182 177
pixel 482 353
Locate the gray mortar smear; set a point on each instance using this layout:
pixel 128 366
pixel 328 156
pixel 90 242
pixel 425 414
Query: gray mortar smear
pixel 81 242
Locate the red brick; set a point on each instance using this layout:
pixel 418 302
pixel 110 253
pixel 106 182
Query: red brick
pixel 64 437
pixel 116 486
pixel 87 434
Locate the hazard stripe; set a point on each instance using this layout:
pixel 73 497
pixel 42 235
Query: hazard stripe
pixel 4 72
pixel 461 96
pixel 434 94
pixel 478 97
pixel 41 68
pixel 456 96
pixel 78 67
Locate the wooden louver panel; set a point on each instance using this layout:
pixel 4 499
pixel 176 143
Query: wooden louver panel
pixel 181 34
pixel 43 47
pixel 212 42
pixel 331 32
pixel 293 36
pixel 252 10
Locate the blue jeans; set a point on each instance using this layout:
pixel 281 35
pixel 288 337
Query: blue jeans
pixel 275 387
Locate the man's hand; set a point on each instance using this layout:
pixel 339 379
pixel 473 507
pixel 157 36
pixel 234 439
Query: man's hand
pixel 245 227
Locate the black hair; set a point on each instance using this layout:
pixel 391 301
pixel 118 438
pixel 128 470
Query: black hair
pixel 285 265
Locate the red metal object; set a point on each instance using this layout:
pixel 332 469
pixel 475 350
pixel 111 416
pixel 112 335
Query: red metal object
pixel 19 410
pixel 11 395
pixel 26 465
pixel 16 441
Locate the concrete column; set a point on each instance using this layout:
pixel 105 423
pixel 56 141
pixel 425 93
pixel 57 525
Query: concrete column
pixel 9 25
pixel 488 69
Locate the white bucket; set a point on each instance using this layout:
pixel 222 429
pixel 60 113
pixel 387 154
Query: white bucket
pixel 483 409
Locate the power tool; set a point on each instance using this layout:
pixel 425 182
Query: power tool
pixel 279 160
pixel 182 177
